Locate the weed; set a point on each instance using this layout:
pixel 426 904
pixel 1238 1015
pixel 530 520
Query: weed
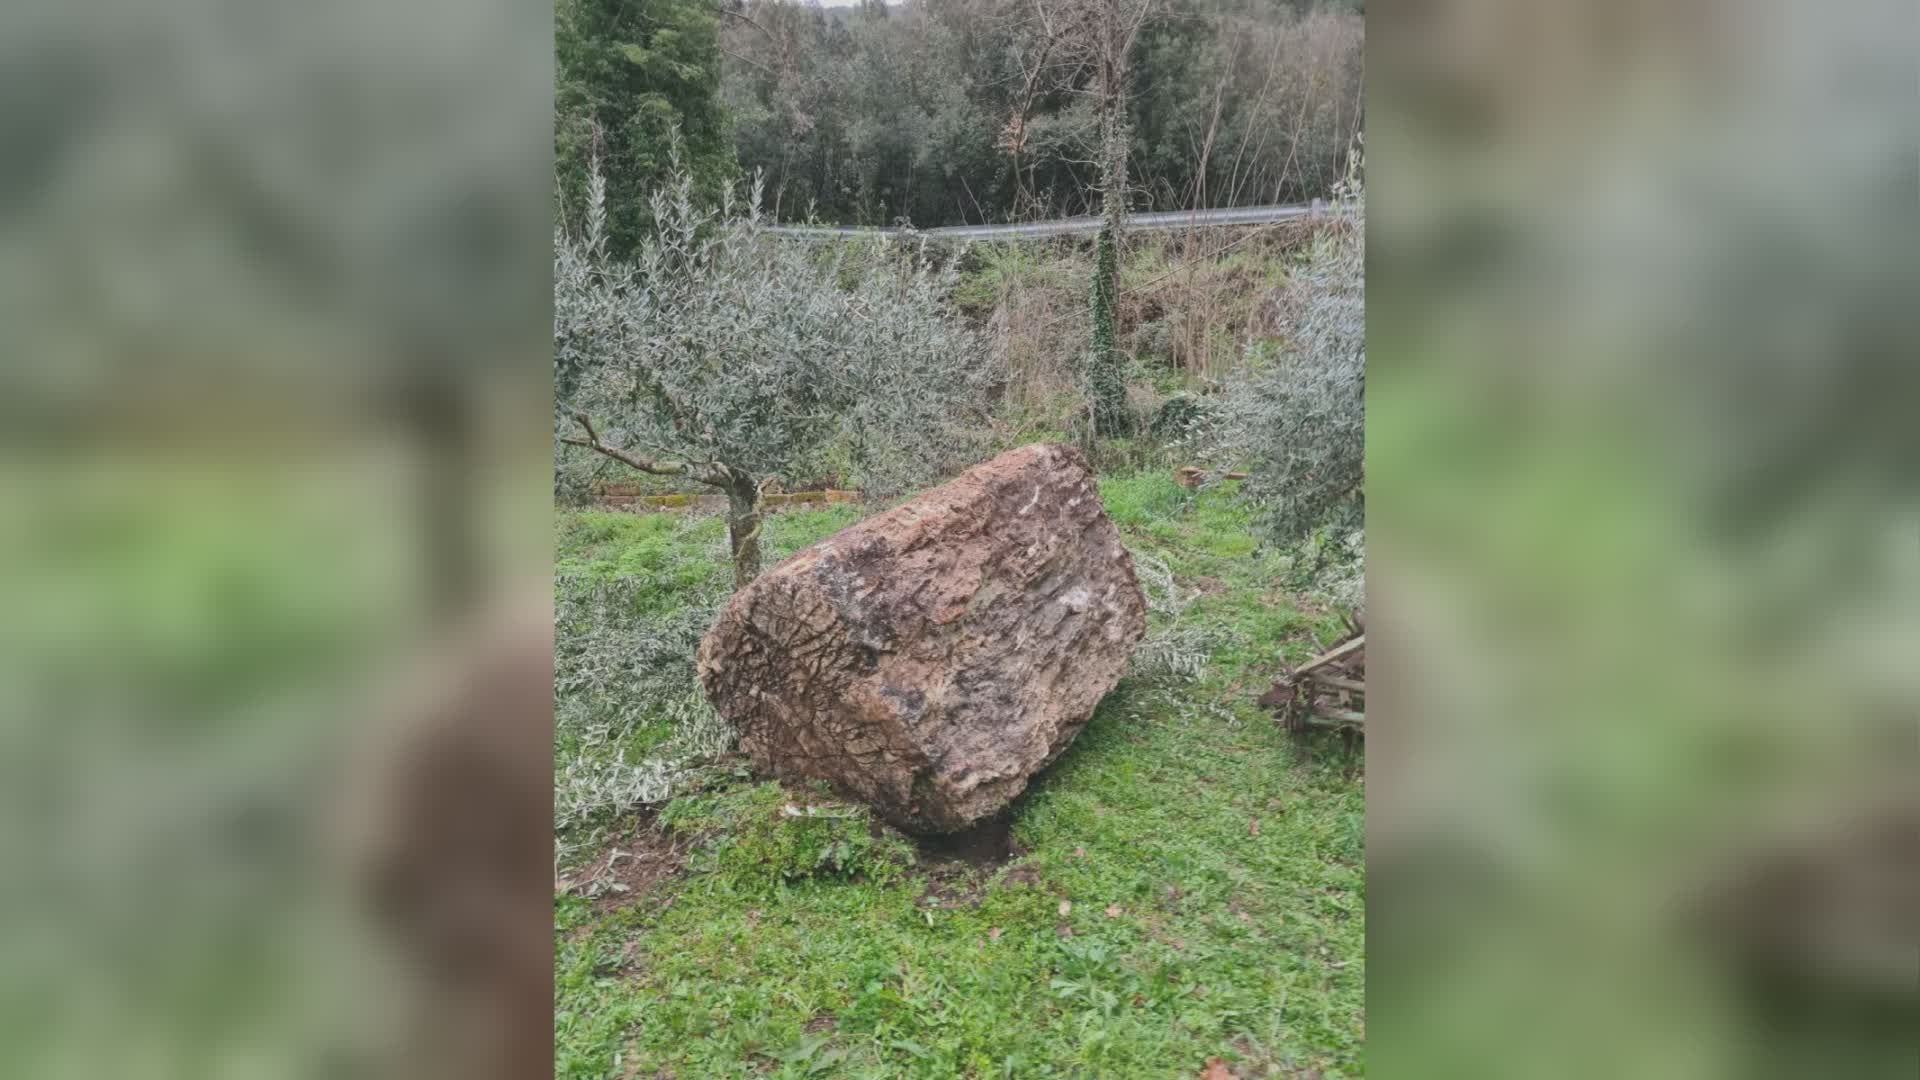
pixel 767 833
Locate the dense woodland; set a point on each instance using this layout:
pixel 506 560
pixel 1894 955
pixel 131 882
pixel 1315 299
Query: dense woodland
pixel 944 112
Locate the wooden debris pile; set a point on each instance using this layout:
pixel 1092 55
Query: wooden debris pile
pixel 1328 692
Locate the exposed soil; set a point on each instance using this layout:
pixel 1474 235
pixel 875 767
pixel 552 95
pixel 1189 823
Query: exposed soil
pixel 631 867
pixel 1022 875
pixel 957 866
pixel 986 845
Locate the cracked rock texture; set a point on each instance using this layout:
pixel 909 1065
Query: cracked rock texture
pixel 930 660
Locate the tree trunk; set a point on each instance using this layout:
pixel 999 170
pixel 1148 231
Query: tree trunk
pixel 743 531
pixel 1106 381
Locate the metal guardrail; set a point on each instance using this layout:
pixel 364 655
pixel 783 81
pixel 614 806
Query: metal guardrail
pixel 1160 221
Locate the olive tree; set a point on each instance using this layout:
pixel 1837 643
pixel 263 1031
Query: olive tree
pixel 1302 414
pixel 726 356
pixel 1296 421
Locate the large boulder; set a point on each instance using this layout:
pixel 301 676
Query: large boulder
pixel 930 660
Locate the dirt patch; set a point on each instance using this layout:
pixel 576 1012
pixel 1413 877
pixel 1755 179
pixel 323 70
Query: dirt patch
pixel 984 846
pixel 630 868
pixel 1021 875
pixel 958 865
pixel 1208 586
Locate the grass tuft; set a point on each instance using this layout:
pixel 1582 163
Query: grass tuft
pixel 766 834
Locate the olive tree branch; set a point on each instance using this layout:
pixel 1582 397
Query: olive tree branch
pixel 709 476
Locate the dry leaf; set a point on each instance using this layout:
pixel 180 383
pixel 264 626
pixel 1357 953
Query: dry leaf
pixel 1063 930
pixel 1079 853
pixel 1244 917
pixel 1253 826
pixel 993 933
pixel 1216 1070
pixel 1113 911
pixel 1066 908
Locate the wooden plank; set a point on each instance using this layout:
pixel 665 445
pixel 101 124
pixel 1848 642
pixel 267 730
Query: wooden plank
pixel 1329 656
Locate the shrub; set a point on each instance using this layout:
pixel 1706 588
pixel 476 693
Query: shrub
pixel 1296 421
pixel 1179 417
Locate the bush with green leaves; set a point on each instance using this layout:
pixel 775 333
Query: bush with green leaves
pixel 728 357
pixel 1296 420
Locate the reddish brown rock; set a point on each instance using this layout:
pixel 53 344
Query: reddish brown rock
pixel 929 660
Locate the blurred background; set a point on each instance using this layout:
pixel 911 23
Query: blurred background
pixel 275 464
pixel 1644 572
pixel 274 297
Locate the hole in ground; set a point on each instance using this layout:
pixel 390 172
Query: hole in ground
pixel 985 845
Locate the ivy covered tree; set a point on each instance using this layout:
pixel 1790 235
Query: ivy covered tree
pixel 628 76
pixel 721 355
pixel 1106 373
pixel 1098 36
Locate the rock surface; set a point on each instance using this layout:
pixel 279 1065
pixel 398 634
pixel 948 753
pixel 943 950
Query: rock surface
pixel 930 660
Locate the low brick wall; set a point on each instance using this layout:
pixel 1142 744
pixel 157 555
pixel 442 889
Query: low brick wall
pixel 646 503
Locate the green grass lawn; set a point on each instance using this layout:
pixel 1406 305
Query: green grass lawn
pixel 1186 884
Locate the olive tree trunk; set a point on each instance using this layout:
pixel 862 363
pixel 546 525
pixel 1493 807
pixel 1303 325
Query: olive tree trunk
pixel 743 531
pixel 743 495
